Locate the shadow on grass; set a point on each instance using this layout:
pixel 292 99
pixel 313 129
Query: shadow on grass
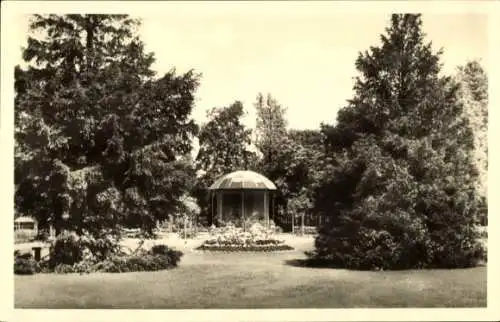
pixel 311 263
pixel 316 263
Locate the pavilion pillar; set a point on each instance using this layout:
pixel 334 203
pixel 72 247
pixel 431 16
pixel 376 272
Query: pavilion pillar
pixel 219 205
pixel 273 206
pixel 243 219
pixel 266 207
pixel 212 207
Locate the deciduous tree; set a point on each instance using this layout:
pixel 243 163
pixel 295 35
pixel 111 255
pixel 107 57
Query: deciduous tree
pixel 224 147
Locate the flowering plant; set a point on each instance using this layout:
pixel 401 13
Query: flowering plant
pixel 230 235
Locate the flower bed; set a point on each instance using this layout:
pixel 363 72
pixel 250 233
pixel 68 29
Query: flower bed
pixel 245 248
pixel 233 239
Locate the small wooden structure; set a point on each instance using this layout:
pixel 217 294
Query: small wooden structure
pixel 242 197
pixel 25 223
pixel 25 228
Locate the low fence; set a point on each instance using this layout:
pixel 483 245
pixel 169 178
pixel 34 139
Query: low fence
pixel 290 224
pixel 305 230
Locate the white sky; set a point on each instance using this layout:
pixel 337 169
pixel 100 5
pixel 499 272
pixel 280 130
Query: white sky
pixel 304 58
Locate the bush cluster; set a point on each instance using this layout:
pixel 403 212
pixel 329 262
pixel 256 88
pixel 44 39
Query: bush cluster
pixel 378 249
pixel 159 257
pixel 24 264
pixel 72 254
pixel 137 263
pixel 65 250
pixel 141 262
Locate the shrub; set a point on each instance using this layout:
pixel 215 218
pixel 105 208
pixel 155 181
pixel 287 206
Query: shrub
pixel 70 253
pixel 82 267
pixel 400 243
pixel 24 264
pixel 25 255
pixel 66 249
pixel 107 265
pixel 64 269
pixel 98 249
pixel 171 256
pixel 135 263
pixel 457 250
pixel 70 249
pixel 159 257
pixel 45 265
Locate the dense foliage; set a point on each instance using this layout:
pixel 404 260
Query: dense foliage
pixel 310 139
pixel 399 189
pixel 159 257
pixel 25 264
pixel 99 137
pixel 66 256
pixel 289 158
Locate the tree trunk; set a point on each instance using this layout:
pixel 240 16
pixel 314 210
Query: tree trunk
pixel 52 232
pixel 90 43
pixel 302 224
pixel 185 226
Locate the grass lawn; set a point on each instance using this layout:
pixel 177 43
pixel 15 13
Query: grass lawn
pixel 253 280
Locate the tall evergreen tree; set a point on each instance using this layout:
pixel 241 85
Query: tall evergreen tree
pixel 399 189
pixel 98 133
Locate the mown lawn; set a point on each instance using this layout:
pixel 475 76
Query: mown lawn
pixel 265 280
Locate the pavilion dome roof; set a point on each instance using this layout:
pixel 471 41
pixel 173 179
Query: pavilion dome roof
pixel 241 180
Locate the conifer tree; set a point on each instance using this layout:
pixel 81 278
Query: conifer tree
pixel 98 133
pixel 399 189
